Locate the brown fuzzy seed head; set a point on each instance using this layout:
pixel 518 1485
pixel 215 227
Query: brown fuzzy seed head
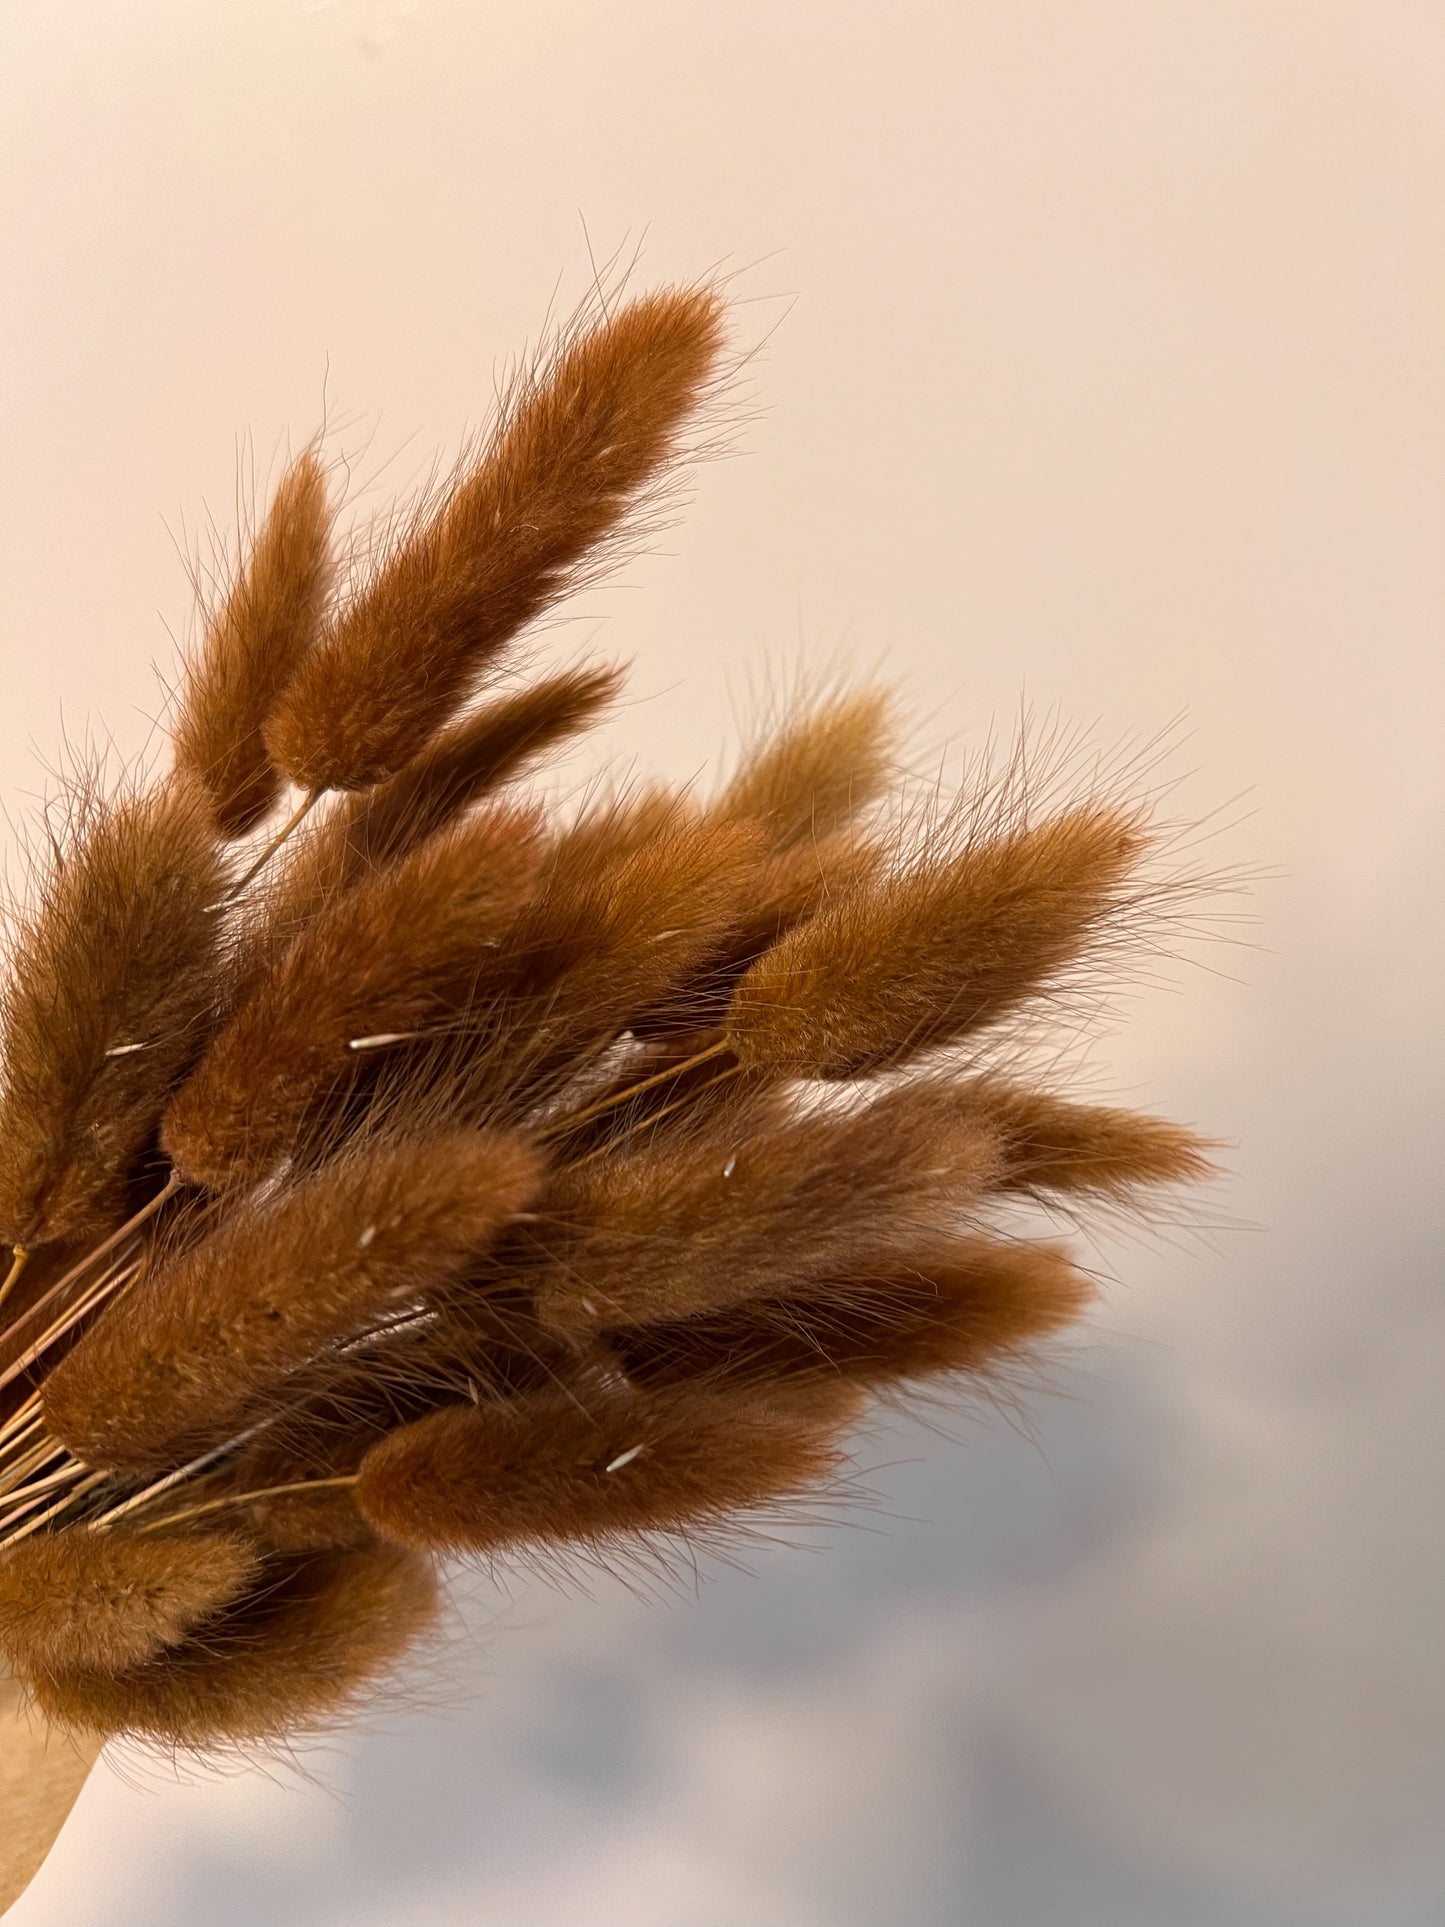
pixel 253 646
pixel 109 1600
pixel 923 959
pixel 815 777
pixel 556 1469
pixel 1052 1145
pixel 789 889
pixel 578 442
pixel 289 1658
pixel 195 1350
pixel 471 758
pixel 702 1222
pixel 395 955
pixel 598 946
pixel 113 987
pixel 964 1306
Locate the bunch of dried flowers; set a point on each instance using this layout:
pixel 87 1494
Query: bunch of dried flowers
pixel 451 1174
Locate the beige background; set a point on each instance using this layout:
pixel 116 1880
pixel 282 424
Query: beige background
pixel 1104 369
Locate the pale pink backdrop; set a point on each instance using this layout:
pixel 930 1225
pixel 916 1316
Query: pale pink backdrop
pixel 1103 369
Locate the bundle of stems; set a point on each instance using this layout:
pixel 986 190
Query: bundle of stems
pixel 395 1165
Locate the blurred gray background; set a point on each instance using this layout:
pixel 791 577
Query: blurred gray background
pixel 1102 371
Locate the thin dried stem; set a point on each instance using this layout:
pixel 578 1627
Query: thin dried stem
pixel 77 1271
pixel 118 1275
pixel 76 1492
pixel 248 1498
pixel 603 1105
pixel 19 1258
pixel 249 875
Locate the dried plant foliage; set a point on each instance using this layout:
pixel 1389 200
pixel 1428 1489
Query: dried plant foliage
pixel 253 646
pixel 463 1171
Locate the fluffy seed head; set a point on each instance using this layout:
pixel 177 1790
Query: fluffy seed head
pixel 701 1222
pixel 471 758
pixel 289 1657
pixel 817 776
pixel 962 1306
pixel 920 960
pixel 597 946
pixel 109 1600
pixel 1049 1144
pixel 113 987
pixel 396 955
pixel 589 1471
pixel 253 646
pixel 581 438
pixel 193 1353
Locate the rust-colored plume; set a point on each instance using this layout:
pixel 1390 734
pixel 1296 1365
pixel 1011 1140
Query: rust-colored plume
pixel 789 888
pixel 113 988
pixel 817 776
pixel 557 1468
pixel 109 1600
pixel 253 646
pixel 472 757
pixel 964 1304
pixel 920 960
pixel 598 945
pixel 394 957
pixel 1050 1144
pixel 699 1223
pixel 288 1658
pixel 581 439
pixel 202 1342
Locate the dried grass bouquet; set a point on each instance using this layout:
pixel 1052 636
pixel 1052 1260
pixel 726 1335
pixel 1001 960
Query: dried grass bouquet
pixel 444 1172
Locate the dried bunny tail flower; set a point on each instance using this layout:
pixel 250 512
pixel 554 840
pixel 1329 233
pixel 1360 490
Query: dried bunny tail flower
pixel 613 826
pixel 472 757
pixel 480 1344
pixel 701 1222
pixel 110 1600
pixel 254 644
pixel 592 1471
pixel 961 1305
pixel 584 438
pixel 923 959
pixel 393 957
pixel 817 775
pixel 199 1346
pixel 790 888
pixel 113 988
pixel 1050 1144
pixel 364 832
pixel 290 1658
pixel 595 947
